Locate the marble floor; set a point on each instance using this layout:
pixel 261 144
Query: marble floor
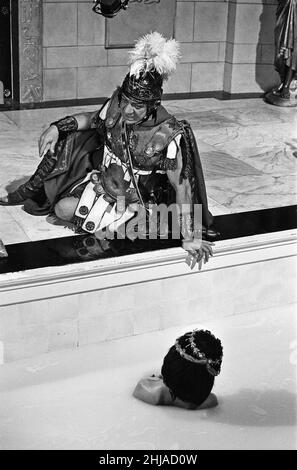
pixel 82 399
pixel 248 150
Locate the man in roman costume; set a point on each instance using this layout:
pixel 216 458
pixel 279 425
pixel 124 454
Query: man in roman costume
pixel 131 149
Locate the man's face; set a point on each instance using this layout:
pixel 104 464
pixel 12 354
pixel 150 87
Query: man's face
pixel 132 111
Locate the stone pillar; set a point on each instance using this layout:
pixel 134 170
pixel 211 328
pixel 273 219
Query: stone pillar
pixel 30 50
pixel 250 46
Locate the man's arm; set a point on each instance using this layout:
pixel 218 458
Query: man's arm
pixel 84 120
pixel 192 235
pixel 77 122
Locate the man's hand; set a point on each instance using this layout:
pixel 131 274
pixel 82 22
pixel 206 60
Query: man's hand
pixel 48 140
pixel 199 251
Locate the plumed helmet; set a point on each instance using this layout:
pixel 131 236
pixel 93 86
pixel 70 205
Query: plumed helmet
pixel 152 61
pixel 109 8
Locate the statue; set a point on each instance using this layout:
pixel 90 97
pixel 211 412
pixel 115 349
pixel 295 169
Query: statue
pixel 285 61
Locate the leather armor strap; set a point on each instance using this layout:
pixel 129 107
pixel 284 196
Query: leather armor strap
pixel 128 160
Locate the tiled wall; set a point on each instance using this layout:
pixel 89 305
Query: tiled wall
pixel 70 321
pixel 225 45
pixel 250 46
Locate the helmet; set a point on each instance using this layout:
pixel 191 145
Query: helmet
pixel 146 88
pixel 152 61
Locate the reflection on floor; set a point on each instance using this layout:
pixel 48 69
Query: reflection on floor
pixel 248 149
pixel 80 248
pixel 83 399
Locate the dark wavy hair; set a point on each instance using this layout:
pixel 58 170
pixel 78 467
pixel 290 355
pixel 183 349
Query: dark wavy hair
pixel 189 381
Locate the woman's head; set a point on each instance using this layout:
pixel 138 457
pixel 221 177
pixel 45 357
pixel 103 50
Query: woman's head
pixel 191 364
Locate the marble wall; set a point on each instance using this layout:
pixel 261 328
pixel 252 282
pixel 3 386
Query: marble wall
pixel 226 45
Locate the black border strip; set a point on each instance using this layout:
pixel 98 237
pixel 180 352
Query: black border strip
pixel 13 101
pixel 62 251
pixel 15 52
pixel 201 459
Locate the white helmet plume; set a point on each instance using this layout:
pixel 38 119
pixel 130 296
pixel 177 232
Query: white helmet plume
pixel 154 52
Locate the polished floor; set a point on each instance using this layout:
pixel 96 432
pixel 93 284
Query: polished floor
pixel 83 399
pixel 248 149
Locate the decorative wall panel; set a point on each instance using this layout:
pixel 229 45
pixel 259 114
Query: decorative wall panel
pixel 30 45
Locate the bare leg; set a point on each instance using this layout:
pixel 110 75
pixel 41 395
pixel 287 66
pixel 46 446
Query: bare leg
pixel 65 208
pixel 284 90
pixel 287 83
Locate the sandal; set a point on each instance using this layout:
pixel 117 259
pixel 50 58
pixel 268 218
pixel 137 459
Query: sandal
pixel 17 197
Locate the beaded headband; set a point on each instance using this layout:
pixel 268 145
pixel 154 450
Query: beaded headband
pixel 198 357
